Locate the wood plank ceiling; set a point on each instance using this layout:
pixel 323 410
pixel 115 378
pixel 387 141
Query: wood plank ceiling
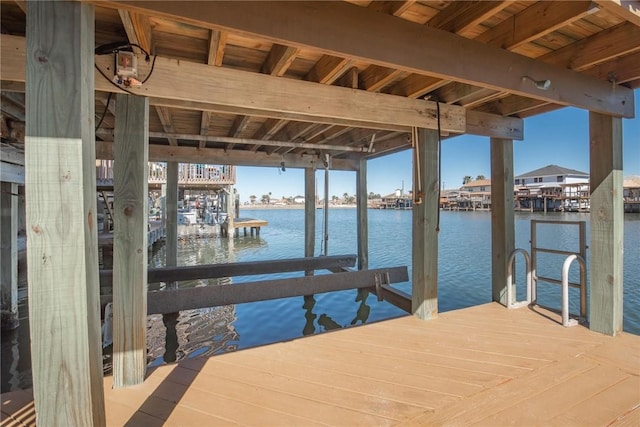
pixel 597 40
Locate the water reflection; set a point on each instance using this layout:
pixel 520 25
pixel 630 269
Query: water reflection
pixel 191 333
pixel 325 321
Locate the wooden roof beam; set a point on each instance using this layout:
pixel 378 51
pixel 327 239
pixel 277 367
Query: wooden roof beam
pixel 217 43
pixel 279 59
pixel 138 29
pixel 374 77
pixel 532 23
pixel 600 47
pixel 239 125
pixel 457 18
pixel 460 16
pixel 583 54
pixel 252 94
pixel 541 18
pixel 620 70
pixel 326 26
pixel 629 10
pixel 165 118
pixel 163 153
pixel 395 8
pixel 268 129
pixel 328 69
pixel 217 40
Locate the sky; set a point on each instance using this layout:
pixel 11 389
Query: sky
pixel 560 137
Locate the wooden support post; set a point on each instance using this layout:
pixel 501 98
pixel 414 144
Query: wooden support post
pixel 362 214
pixel 607 216
pixel 9 256
pixel 502 216
pixel 230 199
pixel 309 213
pixel 131 211
pixel 62 254
pixel 171 241
pixel 424 302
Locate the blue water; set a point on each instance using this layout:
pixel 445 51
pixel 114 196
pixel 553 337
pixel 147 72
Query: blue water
pixel 464 270
pixel 464 280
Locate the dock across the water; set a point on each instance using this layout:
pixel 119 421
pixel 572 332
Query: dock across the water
pixel 252 224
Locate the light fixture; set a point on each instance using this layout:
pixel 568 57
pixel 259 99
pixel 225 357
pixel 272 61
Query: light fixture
pixel 540 84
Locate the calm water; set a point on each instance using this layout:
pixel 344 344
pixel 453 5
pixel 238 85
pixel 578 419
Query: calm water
pixel 464 280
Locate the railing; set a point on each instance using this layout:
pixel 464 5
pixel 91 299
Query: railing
pixel 581 255
pixel 511 295
pixel 566 322
pixel 188 174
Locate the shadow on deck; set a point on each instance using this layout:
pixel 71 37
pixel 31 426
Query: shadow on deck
pixel 482 365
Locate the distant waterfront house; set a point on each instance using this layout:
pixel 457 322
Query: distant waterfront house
pixel 298 199
pixel 631 194
pixel 551 176
pixel 475 195
pixel 397 200
pixel 549 185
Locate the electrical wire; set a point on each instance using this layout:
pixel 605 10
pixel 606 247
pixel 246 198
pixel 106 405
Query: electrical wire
pixel 104 112
pixel 153 65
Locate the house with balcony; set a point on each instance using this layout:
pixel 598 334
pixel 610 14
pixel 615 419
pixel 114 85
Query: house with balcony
pixel 631 194
pixel 475 195
pixel 552 187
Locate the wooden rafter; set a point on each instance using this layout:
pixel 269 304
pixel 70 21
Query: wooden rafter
pixel 541 18
pixel 251 93
pixel 279 60
pixel 138 29
pixel 628 10
pixel 268 129
pixel 457 18
pixel 163 153
pixel 165 118
pixel 460 16
pixel 395 8
pixel 325 25
pixel 217 42
pixel 328 69
pixel 374 77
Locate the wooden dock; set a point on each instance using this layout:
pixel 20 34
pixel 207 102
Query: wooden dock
pixel 155 233
pixel 484 365
pixel 252 224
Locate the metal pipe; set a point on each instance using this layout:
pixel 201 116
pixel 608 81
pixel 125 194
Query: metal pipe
pixel 510 294
pixel 565 287
pixel 270 143
pixel 326 205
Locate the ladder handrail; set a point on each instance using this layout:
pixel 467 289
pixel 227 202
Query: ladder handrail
pixel 565 288
pixel 510 294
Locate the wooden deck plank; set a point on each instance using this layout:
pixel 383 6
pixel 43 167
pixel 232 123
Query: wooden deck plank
pixel 426 399
pixel 497 399
pixel 464 347
pixel 264 376
pixel 242 412
pixel 307 408
pixel 602 408
pixel 622 351
pixel 548 403
pixel 630 419
pixel 491 340
pixel 432 367
pixel 408 372
pixel 384 370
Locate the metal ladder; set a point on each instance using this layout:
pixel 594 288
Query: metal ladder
pixel 533 278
